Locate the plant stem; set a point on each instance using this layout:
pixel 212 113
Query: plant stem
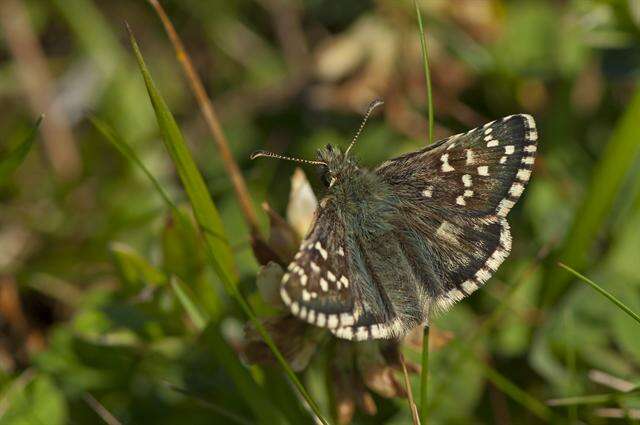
pixel 211 118
pixel 407 383
pixel 424 376
pixel 427 73
pixel 603 291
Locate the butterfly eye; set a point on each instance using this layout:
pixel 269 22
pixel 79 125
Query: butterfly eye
pixel 326 177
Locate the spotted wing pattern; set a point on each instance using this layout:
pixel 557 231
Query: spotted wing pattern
pixel 316 286
pixel 448 235
pixel 453 199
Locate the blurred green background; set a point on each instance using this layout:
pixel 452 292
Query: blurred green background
pixel 90 329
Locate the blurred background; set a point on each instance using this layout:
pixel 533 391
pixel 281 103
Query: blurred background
pixel 90 330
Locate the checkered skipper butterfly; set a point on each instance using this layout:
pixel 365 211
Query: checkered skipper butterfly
pixel 416 234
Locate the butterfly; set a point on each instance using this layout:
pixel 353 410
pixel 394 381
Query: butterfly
pixel 391 246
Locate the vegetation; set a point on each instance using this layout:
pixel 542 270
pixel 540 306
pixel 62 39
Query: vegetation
pixel 131 242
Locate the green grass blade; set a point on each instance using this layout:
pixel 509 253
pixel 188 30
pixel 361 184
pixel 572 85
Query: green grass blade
pixel 204 210
pixel 424 375
pixel 187 299
pixel 427 73
pixel 607 181
pixel 461 347
pixel 518 395
pixel 207 217
pixel 14 158
pixel 135 271
pixel 603 291
pixel 590 399
pixel 124 148
pixel 231 416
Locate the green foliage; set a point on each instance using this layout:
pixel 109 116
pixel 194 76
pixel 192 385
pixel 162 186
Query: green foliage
pixel 135 282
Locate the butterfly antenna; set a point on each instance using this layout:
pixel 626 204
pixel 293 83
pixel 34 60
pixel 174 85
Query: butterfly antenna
pixel 267 154
pixel 373 105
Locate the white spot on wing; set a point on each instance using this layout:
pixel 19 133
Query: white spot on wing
pixel 466 180
pixel 445 163
pixel 469 286
pixel 448 232
pixel 483 170
pixel 285 296
pixel 483 275
pixel 314 267
pixel 523 174
pixel 516 190
pixel 504 206
pixel 321 250
pixel 344 281
pixel 470 158
pixel 324 284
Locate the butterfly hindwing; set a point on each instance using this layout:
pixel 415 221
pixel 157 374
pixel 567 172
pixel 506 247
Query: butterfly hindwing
pixel 316 286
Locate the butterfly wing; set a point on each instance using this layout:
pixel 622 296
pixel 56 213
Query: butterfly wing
pixel 460 190
pixel 336 278
pixel 316 286
pixel 453 198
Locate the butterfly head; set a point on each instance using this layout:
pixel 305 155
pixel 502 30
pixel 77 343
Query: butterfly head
pixel 335 165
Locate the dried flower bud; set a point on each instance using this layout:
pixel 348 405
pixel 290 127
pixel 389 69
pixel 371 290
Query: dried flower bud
pixel 268 283
pixel 302 203
pixel 296 340
pixel 283 238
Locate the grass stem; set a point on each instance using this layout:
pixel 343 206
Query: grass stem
pixel 427 73
pixel 212 121
pixel 603 291
pixel 424 374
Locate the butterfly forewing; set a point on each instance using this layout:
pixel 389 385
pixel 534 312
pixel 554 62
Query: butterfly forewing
pixel 481 172
pixel 461 189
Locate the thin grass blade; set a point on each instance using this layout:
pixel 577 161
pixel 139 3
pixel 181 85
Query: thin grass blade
pixel 427 73
pixel 424 375
pixel 590 399
pixel 603 291
pixel 118 142
pixel 516 393
pixel 14 158
pixel 217 246
pixel 608 178
pixel 187 299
